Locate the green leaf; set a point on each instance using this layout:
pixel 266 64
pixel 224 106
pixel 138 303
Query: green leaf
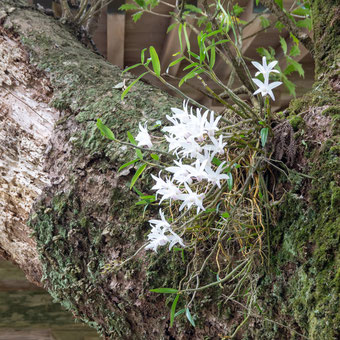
pixel 130 86
pixel 132 141
pixel 180 26
pixel 105 131
pixel 141 3
pixel 264 52
pixel 131 138
pixel 280 3
pixel 307 23
pixel 146 200
pixel 212 57
pixel 237 10
pixel 189 317
pixel 258 307
pixel 283 45
pixel 192 74
pixel 148 197
pixel 137 16
pixel 128 7
pixel 279 25
pixel 155 61
pixel 137 174
pixel 131 67
pixel 297 66
pixel 192 8
pixel 216 161
pixel 143 202
pixel 181 311
pixel 186 37
pixel 142 57
pixel 128 163
pixel 153 3
pixel 176 62
pixel 214 33
pixel 139 154
pixel 164 290
pixel 294 51
pixel 264 135
pixel 171 27
pixel 303 11
pixel 222 42
pixel 225 215
pixel 194 55
pixel 173 310
pixel 190 66
pixel 138 192
pixel 230 181
pixel 264 22
pixel 154 156
pixel 295 39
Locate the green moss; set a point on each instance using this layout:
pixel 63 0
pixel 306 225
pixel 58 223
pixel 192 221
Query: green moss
pixel 331 111
pixel 296 105
pixel 305 255
pixel 326 30
pixel 295 122
pixel 73 253
pixel 336 125
pixel 335 198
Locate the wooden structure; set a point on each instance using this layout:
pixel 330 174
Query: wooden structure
pixel 121 40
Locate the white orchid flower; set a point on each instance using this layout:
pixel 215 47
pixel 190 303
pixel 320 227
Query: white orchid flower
pixel 181 172
pixel 158 237
pixel 215 176
pixel 197 170
pixel 190 199
pixel 160 223
pixel 264 68
pixel 166 189
pixel 217 147
pixel 174 238
pixel 212 126
pixel 266 88
pixel 143 138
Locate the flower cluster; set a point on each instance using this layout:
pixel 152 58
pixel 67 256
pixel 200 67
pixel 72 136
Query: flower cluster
pixel 161 234
pixel 192 138
pixel 264 87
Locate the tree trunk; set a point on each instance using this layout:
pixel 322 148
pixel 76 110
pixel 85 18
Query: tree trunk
pixel 84 215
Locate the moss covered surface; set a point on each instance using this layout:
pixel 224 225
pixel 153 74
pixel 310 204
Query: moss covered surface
pixel 301 290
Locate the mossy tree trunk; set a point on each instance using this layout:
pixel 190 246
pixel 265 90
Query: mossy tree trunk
pixel 85 214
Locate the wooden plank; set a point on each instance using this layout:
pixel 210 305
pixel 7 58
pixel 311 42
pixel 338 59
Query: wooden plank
pixel 27 334
pixel 100 34
pixel 115 33
pixel 172 44
pixel 149 30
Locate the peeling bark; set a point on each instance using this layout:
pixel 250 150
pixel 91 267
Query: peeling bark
pixel 27 123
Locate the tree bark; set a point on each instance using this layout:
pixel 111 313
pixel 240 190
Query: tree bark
pixel 84 216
